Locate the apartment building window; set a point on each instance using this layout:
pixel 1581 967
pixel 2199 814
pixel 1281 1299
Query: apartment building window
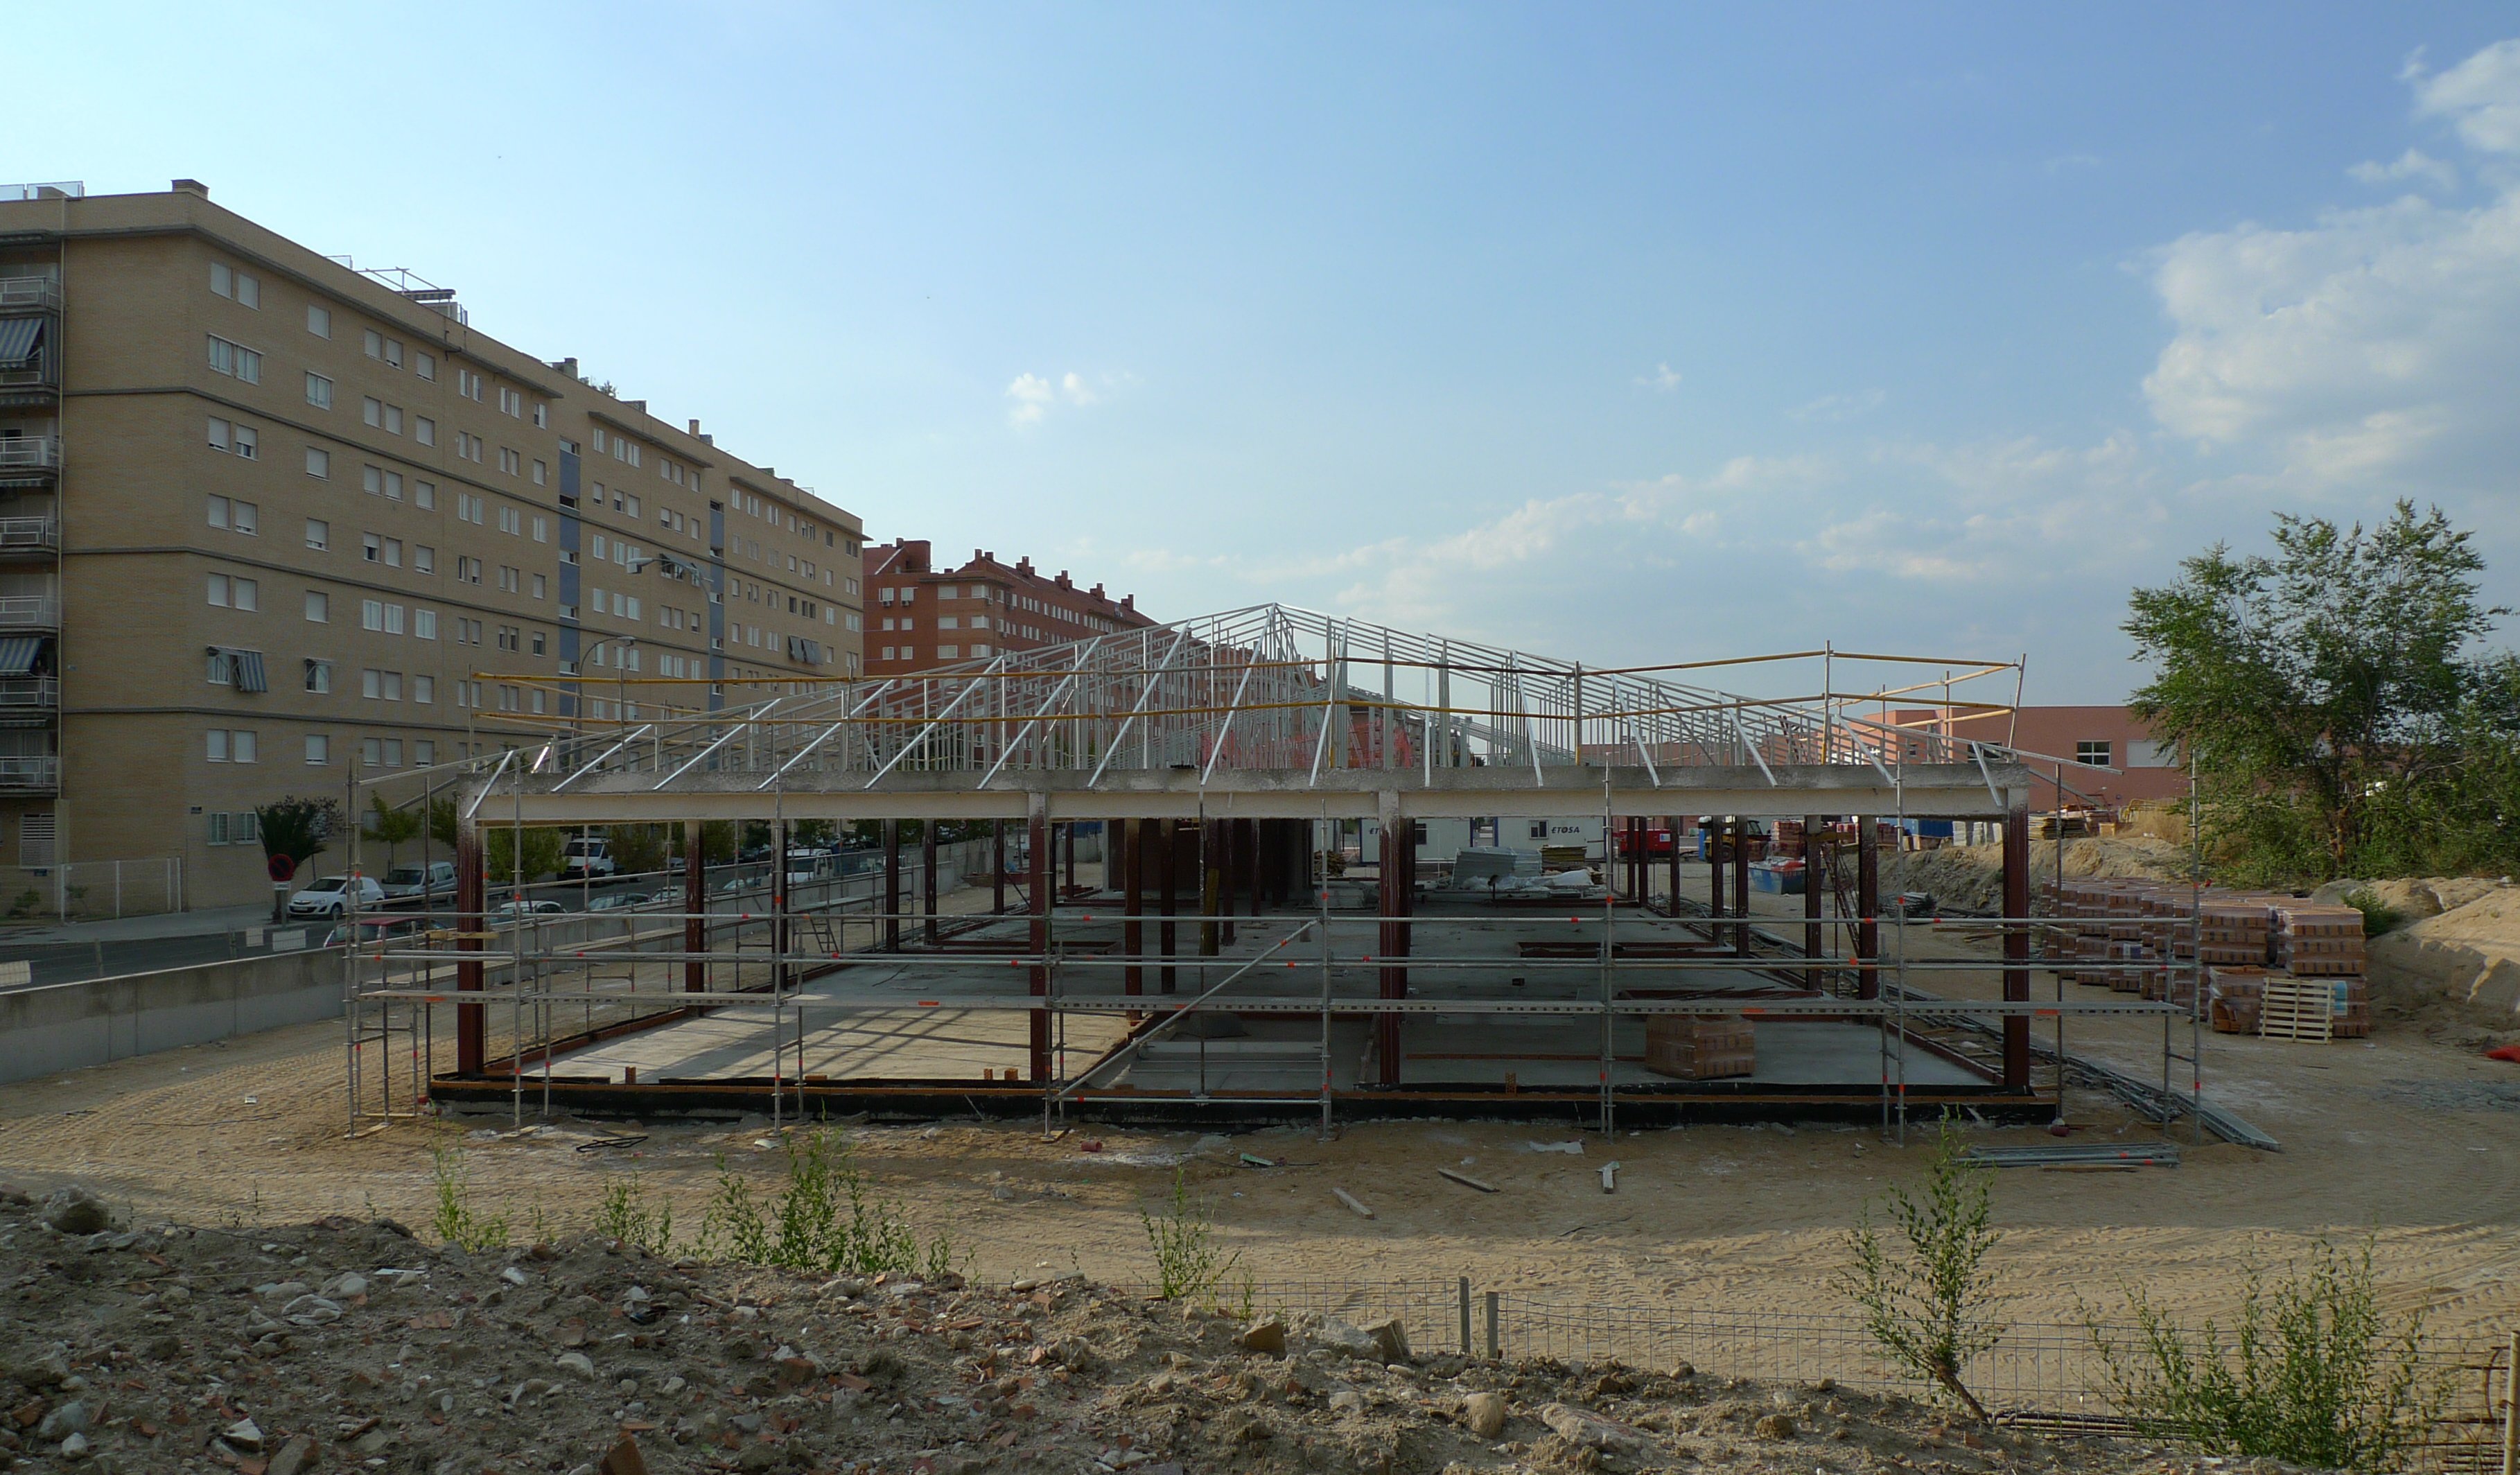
pixel 234 516
pixel 394 619
pixel 511 580
pixel 372 411
pixel 241 827
pixel 424 624
pixel 425 365
pixel 319 463
pixel 424 431
pixel 376 548
pixel 319 677
pixel 467 570
pixel 630 506
pixel 539 638
pixel 469 507
pixel 424 495
pixel 979 649
pixel 512 521
pixel 511 637
pixel 228 591
pixel 509 462
pixel 467 383
pixel 379 347
pixel 510 402
pixel 542 416
pixel 319 607
pixel 949 622
pixel 423 559
pixel 538 586
pixel 243 289
pixel 235 360
pixel 372 614
pixel 379 482
pixel 887 653
pixel 318 749
pixel 540 470
pixel 542 525
pixel 422 751
pixel 319 534
pixel 2095 752
pixel 319 321
pixel 468 446
pixel 423 689
pixel 231 745
pixel 380 686
pixel 234 438
pixel 319 390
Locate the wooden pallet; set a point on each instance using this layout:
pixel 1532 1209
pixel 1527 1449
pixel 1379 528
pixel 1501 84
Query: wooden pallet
pixel 2297 1010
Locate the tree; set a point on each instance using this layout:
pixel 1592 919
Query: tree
pixel 541 853
pixel 2328 695
pixel 638 849
pixel 1932 1308
pixel 295 828
pixel 391 826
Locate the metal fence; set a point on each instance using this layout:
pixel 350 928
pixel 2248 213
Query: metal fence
pixel 2051 1377
pixel 86 890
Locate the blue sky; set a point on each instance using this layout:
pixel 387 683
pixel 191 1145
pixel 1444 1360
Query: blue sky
pixel 1619 333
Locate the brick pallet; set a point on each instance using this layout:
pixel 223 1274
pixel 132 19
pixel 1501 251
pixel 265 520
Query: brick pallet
pixel 1700 1046
pixel 2234 996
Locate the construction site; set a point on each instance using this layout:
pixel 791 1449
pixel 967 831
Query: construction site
pixel 1214 899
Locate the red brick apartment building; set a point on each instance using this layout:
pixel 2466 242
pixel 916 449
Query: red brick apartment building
pixel 918 615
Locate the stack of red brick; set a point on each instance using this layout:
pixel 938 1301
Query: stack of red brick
pixel 2137 937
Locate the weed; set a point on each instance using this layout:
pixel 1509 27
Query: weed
pixel 1188 1261
pixel 625 1214
pixel 2378 916
pixel 2313 1373
pixel 823 1219
pixel 456 1220
pixel 732 1229
pixel 1931 1308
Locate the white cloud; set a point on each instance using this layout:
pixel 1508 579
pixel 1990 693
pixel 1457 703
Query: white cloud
pixel 2414 163
pixel 1035 395
pixel 2480 96
pixel 1662 381
pixel 1835 407
pixel 2374 347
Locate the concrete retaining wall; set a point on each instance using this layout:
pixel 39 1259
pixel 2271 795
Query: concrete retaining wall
pixel 63 1026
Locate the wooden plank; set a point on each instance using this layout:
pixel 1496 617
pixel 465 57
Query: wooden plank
pixel 1351 1200
pixel 1463 1179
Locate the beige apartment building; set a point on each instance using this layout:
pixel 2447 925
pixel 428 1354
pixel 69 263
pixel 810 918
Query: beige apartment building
pixel 264 517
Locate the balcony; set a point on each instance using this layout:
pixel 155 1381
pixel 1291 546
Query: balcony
pixel 29 611
pixel 29 460
pixel 25 775
pixel 22 536
pixel 29 295
pixel 23 696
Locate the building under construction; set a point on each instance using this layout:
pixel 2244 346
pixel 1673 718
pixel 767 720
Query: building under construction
pixel 1223 957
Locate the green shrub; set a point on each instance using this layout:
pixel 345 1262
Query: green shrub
pixel 1188 1261
pixel 1931 1308
pixel 457 1221
pixel 824 1218
pixel 625 1214
pixel 2313 1373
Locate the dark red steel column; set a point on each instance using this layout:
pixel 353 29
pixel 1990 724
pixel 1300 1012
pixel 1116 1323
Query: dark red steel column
pixel 1812 930
pixel 1133 905
pixel 1167 896
pixel 1867 907
pixel 1398 885
pixel 471 887
pixel 695 908
pixel 927 881
pixel 1741 885
pixel 1037 826
pixel 892 885
pixel 998 865
pixel 2017 944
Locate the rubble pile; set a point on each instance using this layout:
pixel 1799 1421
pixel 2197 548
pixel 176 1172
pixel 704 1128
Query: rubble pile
pixel 347 1345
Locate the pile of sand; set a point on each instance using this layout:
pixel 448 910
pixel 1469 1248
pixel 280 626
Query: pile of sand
pixel 1971 878
pixel 2464 947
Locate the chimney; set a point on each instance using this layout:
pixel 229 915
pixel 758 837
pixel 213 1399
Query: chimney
pixel 1024 566
pixel 1097 590
pixel 1129 602
pixel 1062 580
pixel 189 187
pixel 567 366
pixel 978 556
pixel 695 427
pixel 914 554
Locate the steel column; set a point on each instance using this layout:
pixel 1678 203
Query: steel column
pixel 1398 888
pixel 471 887
pixel 2017 942
pixel 1868 906
pixel 694 907
pixel 892 885
pixel 927 881
pixel 1813 938
pixel 1037 828
pixel 1741 885
pixel 1167 896
pixel 1133 904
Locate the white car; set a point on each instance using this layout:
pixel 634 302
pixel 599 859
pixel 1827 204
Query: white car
pixel 587 859
pixel 330 897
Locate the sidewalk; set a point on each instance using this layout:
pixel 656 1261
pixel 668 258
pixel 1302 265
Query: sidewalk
pixel 138 928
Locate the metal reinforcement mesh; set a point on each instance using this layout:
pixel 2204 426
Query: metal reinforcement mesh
pixel 2045 1375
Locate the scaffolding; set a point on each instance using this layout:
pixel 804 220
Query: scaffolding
pixel 1237 748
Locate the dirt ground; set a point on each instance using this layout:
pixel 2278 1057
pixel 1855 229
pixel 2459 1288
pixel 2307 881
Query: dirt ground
pixel 344 1345
pixel 2411 1136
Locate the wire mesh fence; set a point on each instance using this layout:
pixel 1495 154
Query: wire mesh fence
pixel 2047 1375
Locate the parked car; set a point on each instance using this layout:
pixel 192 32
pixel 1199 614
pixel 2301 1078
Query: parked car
pixel 667 900
pixel 538 908
pixel 615 901
pixel 587 858
pixel 330 897
pixel 413 886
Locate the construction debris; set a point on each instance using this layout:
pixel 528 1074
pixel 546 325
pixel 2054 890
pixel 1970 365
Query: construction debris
pixel 1352 1202
pixel 1611 1178
pixel 2059 1155
pixel 1465 1181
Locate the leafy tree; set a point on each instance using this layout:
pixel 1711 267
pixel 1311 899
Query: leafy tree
pixel 297 828
pixel 391 826
pixel 638 849
pixel 541 853
pixel 1931 1305
pixel 2336 716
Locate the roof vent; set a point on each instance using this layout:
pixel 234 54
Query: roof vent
pixel 188 187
